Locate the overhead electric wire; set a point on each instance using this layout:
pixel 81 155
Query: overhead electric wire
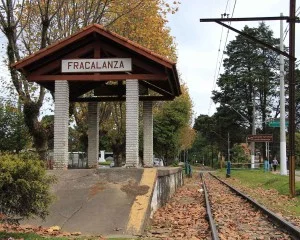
pixel 216 76
pixel 220 63
pixel 287 27
pixel 219 48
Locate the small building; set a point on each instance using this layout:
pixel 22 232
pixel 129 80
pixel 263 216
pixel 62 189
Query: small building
pixel 113 68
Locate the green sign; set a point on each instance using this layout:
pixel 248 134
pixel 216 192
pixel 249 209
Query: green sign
pixel 277 124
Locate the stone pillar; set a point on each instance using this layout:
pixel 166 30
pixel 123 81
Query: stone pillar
pixel 93 134
pixel 148 134
pixel 61 124
pixel 132 123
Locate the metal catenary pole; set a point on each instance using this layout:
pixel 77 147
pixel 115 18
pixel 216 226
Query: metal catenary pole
pixel 292 105
pixel 283 168
pixel 253 131
pixel 292 59
pixel 228 148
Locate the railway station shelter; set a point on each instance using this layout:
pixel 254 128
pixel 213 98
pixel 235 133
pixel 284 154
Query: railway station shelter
pixel 110 68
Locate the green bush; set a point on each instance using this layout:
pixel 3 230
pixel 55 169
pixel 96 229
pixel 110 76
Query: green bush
pixel 24 188
pixel 107 163
pixel 175 163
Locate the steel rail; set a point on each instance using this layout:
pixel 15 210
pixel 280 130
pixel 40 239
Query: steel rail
pixel 214 231
pixel 292 229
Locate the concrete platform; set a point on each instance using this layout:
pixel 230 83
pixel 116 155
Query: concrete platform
pixel 108 201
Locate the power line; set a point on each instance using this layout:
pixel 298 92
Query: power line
pixel 287 27
pixel 220 63
pixel 219 48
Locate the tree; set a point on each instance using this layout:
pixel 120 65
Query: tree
pixel 187 137
pixel 32 25
pixel 146 26
pixel 240 153
pixel 48 124
pixel 24 188
pixel 213 132
pixel 250 74
pixel 14 134
pixel 198 150
pixel 115 131
pixel 170 119
pixel 250 77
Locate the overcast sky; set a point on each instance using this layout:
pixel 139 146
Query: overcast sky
pixel 198 43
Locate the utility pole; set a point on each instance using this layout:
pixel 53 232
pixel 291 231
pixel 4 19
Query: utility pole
pixel 253 132
pixel 292 106
pixel 283 168
pixel 291 56
pixel 228 148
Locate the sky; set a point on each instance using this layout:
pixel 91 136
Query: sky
pixel 199 59
pixel 198 43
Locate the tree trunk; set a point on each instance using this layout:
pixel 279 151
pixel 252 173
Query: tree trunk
pixel 118 148
pixel 37 131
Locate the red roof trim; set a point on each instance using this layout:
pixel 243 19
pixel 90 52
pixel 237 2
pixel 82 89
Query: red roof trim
pixel 85 31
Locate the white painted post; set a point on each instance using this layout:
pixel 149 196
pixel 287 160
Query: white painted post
pixel 132 123
pixel 253 133
pixel 283 163
pixel 148 134
pixel 93 134
pixel 61 124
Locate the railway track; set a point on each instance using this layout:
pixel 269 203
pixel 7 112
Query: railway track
pixel 207 208
pixel 183 217
pixel 232 215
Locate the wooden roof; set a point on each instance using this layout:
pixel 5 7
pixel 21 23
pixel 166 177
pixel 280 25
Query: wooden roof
pixel 153 71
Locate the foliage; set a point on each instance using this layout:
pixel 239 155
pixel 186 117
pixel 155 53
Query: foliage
pixel 32 25
pixel 27 236
pixel 24 187
pixel 48 124
pixel 140 21
pixel 238 154
pixel 187 136
pixel 175 164
pixel 199 151
pixel 107 163
pixel 250 77
pixel 250 73
pixel 146 25
pixel 114 127
pixel 14 134
pixel 170 119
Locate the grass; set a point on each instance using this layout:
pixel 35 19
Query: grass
pixel 259 178
pixel 26 236
pixel 107 163
pixel 33 236
pixel 254 179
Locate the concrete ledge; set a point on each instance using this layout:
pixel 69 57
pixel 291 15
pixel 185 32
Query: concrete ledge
pixel 166 171
pixel 120 174
pixel 168 181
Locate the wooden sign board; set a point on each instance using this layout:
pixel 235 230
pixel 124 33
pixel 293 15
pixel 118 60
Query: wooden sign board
pixel 96 65
pixel 260 138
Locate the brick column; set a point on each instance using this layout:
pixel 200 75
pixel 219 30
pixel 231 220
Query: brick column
pixel 132 123
pixel 148 134
pixel 61 124
pixel 93 134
